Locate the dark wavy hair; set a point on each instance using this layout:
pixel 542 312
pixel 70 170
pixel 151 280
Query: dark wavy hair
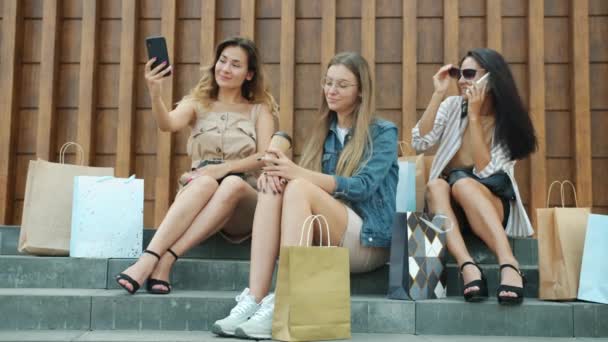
pixel 513 125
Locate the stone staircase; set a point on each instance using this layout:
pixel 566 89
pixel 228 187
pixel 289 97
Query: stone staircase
pixel 75 294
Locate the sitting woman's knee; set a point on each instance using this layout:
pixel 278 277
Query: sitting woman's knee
pixel 462 188
pixel 296 187
pixel 437 187
pixel 234 184
pixel 203 183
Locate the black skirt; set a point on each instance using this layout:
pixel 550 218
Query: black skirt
pixel 499 184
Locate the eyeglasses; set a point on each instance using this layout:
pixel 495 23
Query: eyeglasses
pixel 468 74
pixel 340 85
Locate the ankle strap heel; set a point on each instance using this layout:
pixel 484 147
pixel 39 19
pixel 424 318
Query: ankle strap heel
pixel 152 253
pixel 481 284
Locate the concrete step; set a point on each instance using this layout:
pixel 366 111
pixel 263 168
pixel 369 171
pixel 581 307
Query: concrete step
pixel 214 248
pixel 194 274
pixel 525 250
pixel 89 309
pixel 204 336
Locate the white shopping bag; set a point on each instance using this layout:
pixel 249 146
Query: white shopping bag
pixel 107 217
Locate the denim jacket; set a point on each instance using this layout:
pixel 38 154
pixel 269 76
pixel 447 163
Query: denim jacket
pixel 370 192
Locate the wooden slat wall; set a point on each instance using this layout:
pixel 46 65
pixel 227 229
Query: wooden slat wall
pixel 248 18
pixel 450 35
pixel 494 24
pixel 100 99
pixel 536 76
pixel 45 136
pixel 581 114
pixel 368 35
pixel 88 72
pixel 288 22
pixel 10 55
pixel 207 31
pixel 164 179
pixel 125 149
pixel 328 33
pixel 598 74
pixel 409 75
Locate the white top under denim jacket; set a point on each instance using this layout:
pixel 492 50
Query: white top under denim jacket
pixel 448 129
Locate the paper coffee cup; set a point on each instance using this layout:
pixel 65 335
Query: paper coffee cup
pixel 281 141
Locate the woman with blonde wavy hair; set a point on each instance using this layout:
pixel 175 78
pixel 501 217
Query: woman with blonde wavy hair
pixel 231 115
pixel 348 173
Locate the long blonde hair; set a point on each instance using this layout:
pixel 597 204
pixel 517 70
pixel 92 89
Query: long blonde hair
pixel 353 154
pixel 255 90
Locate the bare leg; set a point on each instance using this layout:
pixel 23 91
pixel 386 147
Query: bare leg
pixel 439 201
pixel 265 243
pixel 179 217
pixel 283 214
pixel 485 214
pixel 302 199
pixel 232 192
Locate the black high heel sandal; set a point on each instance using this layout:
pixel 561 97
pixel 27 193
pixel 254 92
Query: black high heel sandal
pixel 519 291
pixel 134 284
pixel 482 284
pixel 154 282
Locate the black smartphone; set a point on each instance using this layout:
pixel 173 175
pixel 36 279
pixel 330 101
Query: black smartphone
pixel 157 48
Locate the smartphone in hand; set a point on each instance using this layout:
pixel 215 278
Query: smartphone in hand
pixel 157 48
pixel 483 81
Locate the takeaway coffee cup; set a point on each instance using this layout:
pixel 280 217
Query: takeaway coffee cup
pixel 280 141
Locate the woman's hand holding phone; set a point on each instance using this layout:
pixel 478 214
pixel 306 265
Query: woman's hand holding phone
pixel 475 96
pixel 154 77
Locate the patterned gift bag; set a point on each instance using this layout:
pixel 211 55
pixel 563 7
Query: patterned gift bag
pixel 418 257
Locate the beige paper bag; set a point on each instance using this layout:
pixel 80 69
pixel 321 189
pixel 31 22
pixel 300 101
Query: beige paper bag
pixel 47 210
pixel 312 297
pixel 561 238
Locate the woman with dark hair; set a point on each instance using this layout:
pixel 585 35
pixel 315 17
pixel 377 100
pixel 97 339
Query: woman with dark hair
pixel 481 134
pixel 231 116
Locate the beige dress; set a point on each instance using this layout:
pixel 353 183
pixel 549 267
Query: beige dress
pixel 221 136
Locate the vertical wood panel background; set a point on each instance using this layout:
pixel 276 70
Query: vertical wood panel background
pixel 79 76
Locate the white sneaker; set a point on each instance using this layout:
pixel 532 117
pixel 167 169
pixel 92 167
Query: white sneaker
pixel 259 326
pixel 245 308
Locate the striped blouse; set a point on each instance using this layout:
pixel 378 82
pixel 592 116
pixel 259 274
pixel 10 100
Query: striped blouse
pixel 448 129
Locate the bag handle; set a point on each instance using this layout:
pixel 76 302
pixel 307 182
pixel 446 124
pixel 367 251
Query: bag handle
pixel 308 224
pixel 561 191
pixel 67 145
pixel 439 220
pixel 573 191
pixel 407 147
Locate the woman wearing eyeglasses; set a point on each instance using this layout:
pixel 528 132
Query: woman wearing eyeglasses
pixel 481 134
pixel 348 173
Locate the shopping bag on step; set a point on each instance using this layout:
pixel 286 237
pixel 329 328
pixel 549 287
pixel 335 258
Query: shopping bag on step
pixel 411 184
pixel 593 284
pixel 417 268
pixel 561 237
pixel 107 217
pixel 47 209
pixel 312 297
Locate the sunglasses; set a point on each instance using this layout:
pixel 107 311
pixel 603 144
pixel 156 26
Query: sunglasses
pixel 468 74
